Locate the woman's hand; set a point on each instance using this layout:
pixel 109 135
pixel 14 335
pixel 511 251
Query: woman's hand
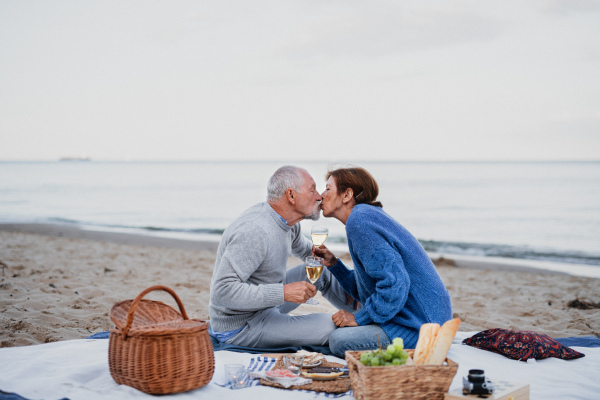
pixel 329 258
pixel 343 319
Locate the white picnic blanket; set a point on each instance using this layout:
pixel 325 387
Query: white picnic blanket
pixel 78 370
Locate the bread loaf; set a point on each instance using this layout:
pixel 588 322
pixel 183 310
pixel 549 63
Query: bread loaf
pixel 427 337
pixel 444 340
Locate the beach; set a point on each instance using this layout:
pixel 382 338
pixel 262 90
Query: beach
pixel 59 283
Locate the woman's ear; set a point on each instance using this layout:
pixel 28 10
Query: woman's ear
pixel 348 195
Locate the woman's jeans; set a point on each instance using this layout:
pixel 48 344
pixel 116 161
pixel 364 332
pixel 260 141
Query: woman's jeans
pixel 357 338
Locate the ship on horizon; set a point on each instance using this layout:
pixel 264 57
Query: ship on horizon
pixel 80 158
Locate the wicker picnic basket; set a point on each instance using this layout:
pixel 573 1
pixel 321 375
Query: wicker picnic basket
pixel 156 349
pixel 402 382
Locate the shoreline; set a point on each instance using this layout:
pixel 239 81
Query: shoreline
pixel 74 231
pixel 59 283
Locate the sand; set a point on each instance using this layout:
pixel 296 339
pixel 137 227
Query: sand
pixel 60 283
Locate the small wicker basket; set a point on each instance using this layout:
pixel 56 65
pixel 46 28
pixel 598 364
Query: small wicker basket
pixel 402 382
pixel 156 349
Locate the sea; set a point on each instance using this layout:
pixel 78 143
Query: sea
pixel 544 211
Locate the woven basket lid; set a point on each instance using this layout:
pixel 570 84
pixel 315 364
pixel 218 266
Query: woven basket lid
pixel 149 317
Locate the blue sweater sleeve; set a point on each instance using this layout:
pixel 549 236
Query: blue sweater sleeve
pixel 386 268
pixel 345 277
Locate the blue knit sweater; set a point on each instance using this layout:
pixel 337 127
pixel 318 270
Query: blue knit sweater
pixel 393 277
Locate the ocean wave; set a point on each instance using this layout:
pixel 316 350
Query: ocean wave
pixel 433 246
pixel 138 228
pixel 210 231
pixel 507 251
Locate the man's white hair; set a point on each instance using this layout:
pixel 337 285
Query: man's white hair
pixel 285 177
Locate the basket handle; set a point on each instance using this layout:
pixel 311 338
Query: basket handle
pixel 138 299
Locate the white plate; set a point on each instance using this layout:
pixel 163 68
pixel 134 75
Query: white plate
pixel 312 365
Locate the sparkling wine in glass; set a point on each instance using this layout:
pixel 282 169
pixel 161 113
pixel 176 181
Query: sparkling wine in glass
pixel 318 234
pixel 314 268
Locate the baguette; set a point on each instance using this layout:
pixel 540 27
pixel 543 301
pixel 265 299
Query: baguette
pixel 443 342
pixel 427 337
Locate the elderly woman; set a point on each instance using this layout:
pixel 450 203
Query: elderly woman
pixel 393 278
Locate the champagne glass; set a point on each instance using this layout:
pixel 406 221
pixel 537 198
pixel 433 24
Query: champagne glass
pixel 318 234
pixel 314 268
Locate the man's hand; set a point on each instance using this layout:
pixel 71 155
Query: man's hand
pixel 328 257
pixel 343 318
pixel 298 292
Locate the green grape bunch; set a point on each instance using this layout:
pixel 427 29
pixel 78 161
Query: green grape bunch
pixel 394 354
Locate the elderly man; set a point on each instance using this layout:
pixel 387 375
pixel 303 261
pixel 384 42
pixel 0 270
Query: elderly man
pixel 251 293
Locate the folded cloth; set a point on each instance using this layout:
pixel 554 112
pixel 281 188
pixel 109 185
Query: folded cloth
pixel 242 349
pixel 14 396
pixel 257 350
pixel 285 382
pixel 99 335
pixel 580 341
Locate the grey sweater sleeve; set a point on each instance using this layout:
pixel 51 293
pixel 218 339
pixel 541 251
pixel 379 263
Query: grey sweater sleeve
pixel 237 284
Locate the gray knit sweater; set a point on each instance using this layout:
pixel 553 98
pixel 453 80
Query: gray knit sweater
pixel 251 265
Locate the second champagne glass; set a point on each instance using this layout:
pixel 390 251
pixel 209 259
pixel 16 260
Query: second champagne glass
pixel 314 269
pixel 318 234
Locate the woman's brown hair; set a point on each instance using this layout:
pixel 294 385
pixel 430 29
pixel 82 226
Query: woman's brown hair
pixel 361 182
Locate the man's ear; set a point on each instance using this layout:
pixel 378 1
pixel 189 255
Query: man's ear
pixel 289 193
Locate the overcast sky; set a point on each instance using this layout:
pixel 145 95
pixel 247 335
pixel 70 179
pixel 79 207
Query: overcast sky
pixel 291 79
